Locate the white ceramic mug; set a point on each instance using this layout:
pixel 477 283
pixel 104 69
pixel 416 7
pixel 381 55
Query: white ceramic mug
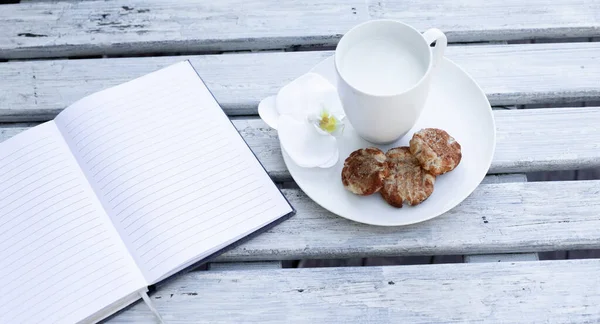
pixel 384 69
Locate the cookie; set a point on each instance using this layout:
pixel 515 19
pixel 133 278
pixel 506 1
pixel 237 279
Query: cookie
pixel 364 171
pixel 407 182
pixel 436 150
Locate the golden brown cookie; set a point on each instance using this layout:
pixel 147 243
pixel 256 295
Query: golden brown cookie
pixel 406 182
pixel 364 171
pixel 437 151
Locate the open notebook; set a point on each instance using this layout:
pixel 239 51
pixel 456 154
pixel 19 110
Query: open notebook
pixel 121 190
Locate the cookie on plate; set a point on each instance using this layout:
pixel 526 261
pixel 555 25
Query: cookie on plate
pixel 436 150
pixel 407 182
pixel 364 171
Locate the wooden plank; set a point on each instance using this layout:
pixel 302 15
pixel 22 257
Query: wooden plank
pixel 436 259
pixel 505 178
pixel 516 292
pixel 504 257
pixel 527 140
pixel 498 218
pixel 510 75
pixel 516 217
pixel 551 139
pixel 510 257
pixel 128 27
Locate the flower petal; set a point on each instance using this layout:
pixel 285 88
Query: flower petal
pixel 307 95
pixel 304 145
pixel 333 161
pixel 267 110
pixel 333 104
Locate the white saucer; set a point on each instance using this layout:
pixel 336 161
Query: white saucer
pixel 456 104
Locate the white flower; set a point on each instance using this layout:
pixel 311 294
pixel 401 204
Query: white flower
pixel 308 115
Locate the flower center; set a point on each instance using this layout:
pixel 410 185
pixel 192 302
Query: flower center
pixel 328 122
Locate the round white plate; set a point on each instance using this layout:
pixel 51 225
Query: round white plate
pixel 456 104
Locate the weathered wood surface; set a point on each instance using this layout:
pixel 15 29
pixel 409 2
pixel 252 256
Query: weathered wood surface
pixel 509 257
pixel 519 292
pixel 503 257
pixel 404 260
pixel 128 27
pixel 514 74
pixel 505 178
pixel 514 217
pixel 527 140
pixel 498 218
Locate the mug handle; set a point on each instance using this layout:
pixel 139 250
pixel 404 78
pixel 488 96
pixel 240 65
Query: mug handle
pixel 437 36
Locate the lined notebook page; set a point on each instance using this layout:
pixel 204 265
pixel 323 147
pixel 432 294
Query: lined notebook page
pixel 170 168
pixel 61 260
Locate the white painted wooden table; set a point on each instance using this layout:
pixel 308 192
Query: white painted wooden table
pixel 53 53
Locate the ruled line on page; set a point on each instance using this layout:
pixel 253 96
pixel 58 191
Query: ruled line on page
pixel 81 274
pixel 159 180
pixel 65 294
pixel 30 159
pixel 121 127
pixel 57 237
pixel 26 146
pixel 156 148
pixel 191 227
pixel 38 204
pixel 100 116
pixel 91 108
pixel 169 205
pixel 51 280
pixel 59 262
pixel 51 160
pixel 36 187
pixel 204 239
pixel 44 218
pixel 32 149
pixel 135 175
pixel 49 170
pixel 159 135
pixel 124 139
pixel 88 303
pixel 164 196
pixel 173 218
pixel 119 121
pixel 129 133
pixel 119 124
pixel 88 275
pixel 161 190
pixel 27 185
pixel 251 198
